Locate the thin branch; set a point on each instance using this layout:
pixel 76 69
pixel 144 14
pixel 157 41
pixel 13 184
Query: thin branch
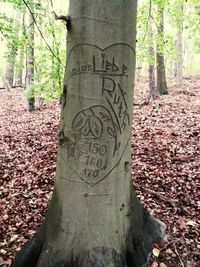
pixel 53 10
pixel 149 15
pixel 67 19
pixel 51 2
pixel 156 23
pixel 41 34
pixel 181 262
pixel 6 37
pixel 56 46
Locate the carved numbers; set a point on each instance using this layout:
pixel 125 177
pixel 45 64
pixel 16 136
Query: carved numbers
pixel 96 137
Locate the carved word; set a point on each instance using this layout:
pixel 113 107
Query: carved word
pixel 95 137
pixel 100 64
pixel 115 97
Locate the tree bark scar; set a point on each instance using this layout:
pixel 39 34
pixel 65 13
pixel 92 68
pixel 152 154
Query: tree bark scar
pixel 67 19
pixel 69 23
pixel 63 140
pixel 127 166
pixel 64 95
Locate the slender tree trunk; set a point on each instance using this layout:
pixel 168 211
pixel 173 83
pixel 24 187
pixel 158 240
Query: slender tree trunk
pixel 94 219
pixel 179 47
pixel 19 81
pixel 152 88
pixel 55 64
pixel 151 71
pixel 12 53
pixel 161 75
pixel 138 71
pixel 19 78
pixel 30 63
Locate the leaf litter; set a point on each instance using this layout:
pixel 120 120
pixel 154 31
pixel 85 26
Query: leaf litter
pixel 166 169
pixel 166 161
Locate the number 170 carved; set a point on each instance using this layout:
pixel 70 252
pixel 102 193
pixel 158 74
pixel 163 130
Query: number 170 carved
pixel 96 160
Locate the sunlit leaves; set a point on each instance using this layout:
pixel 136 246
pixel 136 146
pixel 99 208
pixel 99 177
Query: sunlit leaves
pixel 49 59
pixel 176 12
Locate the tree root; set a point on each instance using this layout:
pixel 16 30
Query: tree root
pixel 30 252
pixel 99 257
pixel 135 244
pixel 145 232
pixel 173 202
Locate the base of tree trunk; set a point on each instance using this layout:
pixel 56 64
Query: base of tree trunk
pixel 164 92
pixel 31 104
pixel 14 86
pixel 95 219
pixel 144 231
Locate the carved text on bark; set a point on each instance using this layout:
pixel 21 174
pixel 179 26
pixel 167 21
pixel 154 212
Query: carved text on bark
pixel 95 138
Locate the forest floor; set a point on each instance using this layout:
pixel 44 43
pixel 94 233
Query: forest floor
pixel 166 168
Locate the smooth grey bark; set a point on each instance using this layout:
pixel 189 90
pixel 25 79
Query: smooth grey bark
pixel 29 80
pixel 179 49
pixel 12 51
pixel 161 75
pixel 95 219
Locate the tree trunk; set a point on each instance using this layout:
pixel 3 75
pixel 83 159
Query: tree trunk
pixel 12 51
pixel 152 88
pixel 161 76
pixel 30 63
pixel 179 48
pixel 94 219
pixel 19 81
pixel 138 71
pixel 151 71
pixel 55 63
pixel 19 78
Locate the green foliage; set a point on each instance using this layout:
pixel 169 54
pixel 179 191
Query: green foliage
pixel 142 31
pixel 50 64
pixel 176 14
pixel 148 15
pixel 6 26
pixel 49 74
pixel 49 47
pixel 192 22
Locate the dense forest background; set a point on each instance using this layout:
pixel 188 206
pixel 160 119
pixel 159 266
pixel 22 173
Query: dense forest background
pixel 167 27
pixel 165 136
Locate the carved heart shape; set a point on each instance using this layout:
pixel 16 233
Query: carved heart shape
pixel 97 130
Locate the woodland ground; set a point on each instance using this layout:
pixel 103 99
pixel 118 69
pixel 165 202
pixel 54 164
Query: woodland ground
pixel 166 168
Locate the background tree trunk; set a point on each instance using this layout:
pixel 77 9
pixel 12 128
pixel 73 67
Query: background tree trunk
pixel 161 76
pixel 19 76
pixel 179 48
pixel 151 71
pixel 19 79
pixel 30 62
pixel 12 51
pixel 94 219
